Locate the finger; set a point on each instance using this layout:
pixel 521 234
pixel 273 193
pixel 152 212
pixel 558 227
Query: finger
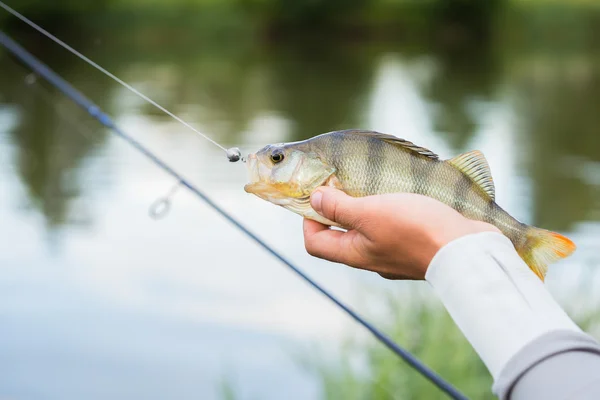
pixel 325 243
pixel 336 206
pixel 311 227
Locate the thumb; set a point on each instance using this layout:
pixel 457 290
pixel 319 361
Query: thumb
pixel 336 206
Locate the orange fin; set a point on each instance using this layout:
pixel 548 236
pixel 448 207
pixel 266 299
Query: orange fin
pixel 543 248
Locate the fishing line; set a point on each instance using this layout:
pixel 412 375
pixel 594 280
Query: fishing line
pixel 233 154
pixel 78 98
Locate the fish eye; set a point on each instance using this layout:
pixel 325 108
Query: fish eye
pixel 277 156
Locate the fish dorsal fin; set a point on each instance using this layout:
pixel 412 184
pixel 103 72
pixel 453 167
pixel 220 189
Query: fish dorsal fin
pixel 475 166
pixel 396 141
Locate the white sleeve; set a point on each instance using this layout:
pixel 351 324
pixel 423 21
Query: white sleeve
pixel 498 303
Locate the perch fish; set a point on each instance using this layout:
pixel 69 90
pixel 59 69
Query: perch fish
pixel 364 163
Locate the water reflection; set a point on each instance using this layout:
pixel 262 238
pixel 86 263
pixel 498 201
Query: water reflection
pixel 50 156
pixel 226 90
pixel 534 115
pixel 559 116
pixel 313 77
pixel 466 76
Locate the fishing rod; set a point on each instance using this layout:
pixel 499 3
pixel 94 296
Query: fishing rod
pixel 233 155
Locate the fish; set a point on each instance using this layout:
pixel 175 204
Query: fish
pixel 365 163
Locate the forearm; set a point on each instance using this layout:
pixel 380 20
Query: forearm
pixel 502 308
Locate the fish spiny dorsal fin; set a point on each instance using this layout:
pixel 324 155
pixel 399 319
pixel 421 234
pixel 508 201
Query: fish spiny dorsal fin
pixel 396 141
pixel 475 166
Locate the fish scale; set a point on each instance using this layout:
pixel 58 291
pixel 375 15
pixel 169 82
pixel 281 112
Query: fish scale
pixel 364 163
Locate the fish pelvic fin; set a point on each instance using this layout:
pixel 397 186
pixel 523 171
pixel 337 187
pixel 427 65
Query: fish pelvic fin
pixel 475 166
pixel 544 247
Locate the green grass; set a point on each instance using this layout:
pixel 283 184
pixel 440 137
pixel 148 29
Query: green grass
pixel 365 369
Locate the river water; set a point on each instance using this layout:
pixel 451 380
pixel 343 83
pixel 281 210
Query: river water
pixel 97 300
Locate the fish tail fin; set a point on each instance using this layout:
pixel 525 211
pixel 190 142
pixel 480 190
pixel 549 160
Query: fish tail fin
pixel 544 247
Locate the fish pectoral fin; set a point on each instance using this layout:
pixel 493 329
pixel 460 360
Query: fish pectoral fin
pixel 475 166
pixel 302 207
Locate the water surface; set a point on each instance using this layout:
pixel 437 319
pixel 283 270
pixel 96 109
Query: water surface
pixel 98 300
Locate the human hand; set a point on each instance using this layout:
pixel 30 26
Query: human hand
pixel 395 235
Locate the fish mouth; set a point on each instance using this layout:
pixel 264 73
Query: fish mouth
pixel 252 166
pixel 266 192
pixel 260 189
pixel 258 185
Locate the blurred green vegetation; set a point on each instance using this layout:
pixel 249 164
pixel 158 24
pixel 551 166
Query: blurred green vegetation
pixel 272 18
pixel 364 369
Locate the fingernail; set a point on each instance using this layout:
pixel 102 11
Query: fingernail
pixel 315 201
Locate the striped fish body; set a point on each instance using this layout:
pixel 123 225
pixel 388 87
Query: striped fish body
pixel 369 163
pixel 364 163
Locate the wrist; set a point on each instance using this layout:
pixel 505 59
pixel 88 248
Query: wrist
pixel 443 237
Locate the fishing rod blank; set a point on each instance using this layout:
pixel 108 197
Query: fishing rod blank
pixel 95 111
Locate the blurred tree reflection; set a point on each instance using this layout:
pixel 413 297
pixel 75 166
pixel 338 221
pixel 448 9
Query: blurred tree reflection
pixel 468 62
pixel 560 113
pixel 319 82
pixel 466 76
pixel 321 86
pixel 554 67
pixel 49 152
